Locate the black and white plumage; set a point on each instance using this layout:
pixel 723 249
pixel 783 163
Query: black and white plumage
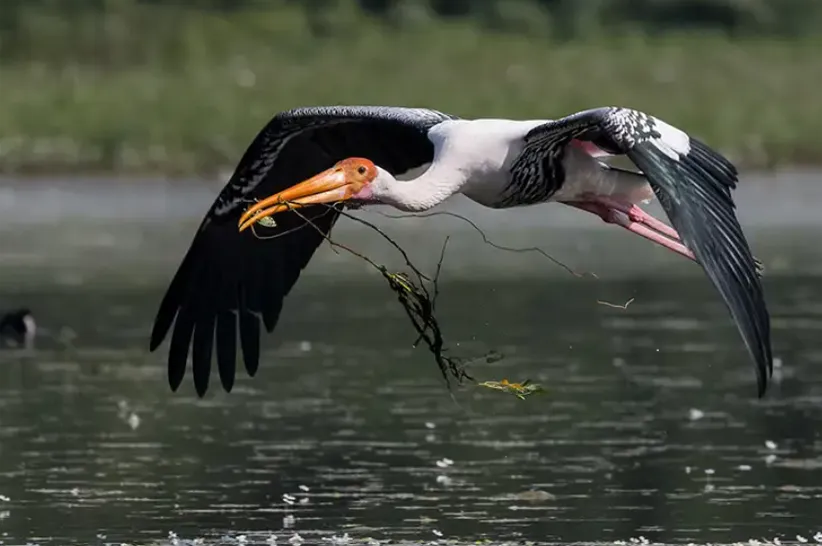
pixel 231 277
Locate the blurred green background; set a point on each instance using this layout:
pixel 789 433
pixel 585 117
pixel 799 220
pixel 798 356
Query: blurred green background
pixel 176 88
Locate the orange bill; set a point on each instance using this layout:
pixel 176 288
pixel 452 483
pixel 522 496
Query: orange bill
pixel 330 186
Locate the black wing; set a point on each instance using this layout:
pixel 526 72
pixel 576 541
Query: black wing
pixel 229 279
pixel 693 184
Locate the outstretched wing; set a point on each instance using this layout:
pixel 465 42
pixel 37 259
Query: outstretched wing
pixel 693 184
pixel 229 279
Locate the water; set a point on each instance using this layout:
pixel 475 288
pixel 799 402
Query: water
pixel 650 426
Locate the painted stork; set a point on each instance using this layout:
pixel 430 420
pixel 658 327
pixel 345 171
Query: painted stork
pixel 413 159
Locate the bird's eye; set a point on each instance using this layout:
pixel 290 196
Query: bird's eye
pixel 361 169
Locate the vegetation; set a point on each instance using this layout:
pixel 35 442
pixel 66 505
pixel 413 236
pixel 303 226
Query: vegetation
pixel 154 87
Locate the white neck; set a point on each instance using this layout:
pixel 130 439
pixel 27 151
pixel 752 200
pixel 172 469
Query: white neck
pixel 427 190
pixel 471 157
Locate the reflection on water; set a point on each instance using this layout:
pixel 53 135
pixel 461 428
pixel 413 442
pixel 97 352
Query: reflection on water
pixel 650 426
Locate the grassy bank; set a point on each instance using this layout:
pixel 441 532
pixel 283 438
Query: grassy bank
pixel 185 93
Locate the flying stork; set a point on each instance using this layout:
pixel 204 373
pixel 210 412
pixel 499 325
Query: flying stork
pixel 415 158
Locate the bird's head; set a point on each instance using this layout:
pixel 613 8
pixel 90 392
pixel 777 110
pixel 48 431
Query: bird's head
pixel 354 179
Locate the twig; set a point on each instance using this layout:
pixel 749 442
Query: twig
pixel 419 304
pixel 485 238
pixel 616 305
pixel 283 233
pixel 391 241
pixel 414 297
pixel 437 273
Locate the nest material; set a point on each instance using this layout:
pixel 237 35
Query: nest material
pixel 419 304
pixel 520 390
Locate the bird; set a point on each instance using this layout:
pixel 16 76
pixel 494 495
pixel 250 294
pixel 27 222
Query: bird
pixel 18 328
pixel 309 163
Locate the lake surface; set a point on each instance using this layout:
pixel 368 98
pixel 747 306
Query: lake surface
pixel 650 426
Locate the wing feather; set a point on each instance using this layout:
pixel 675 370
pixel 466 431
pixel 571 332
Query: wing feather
pixel 226 341
pixel 694 185
pixel 228 281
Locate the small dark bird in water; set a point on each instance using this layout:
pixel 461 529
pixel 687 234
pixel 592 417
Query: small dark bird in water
pixel 17 328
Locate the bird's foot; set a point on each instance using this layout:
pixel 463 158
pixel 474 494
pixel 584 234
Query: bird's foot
pixel 634 219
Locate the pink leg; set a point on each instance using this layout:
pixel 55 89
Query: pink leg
pixel 635 220
pixel 636 214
